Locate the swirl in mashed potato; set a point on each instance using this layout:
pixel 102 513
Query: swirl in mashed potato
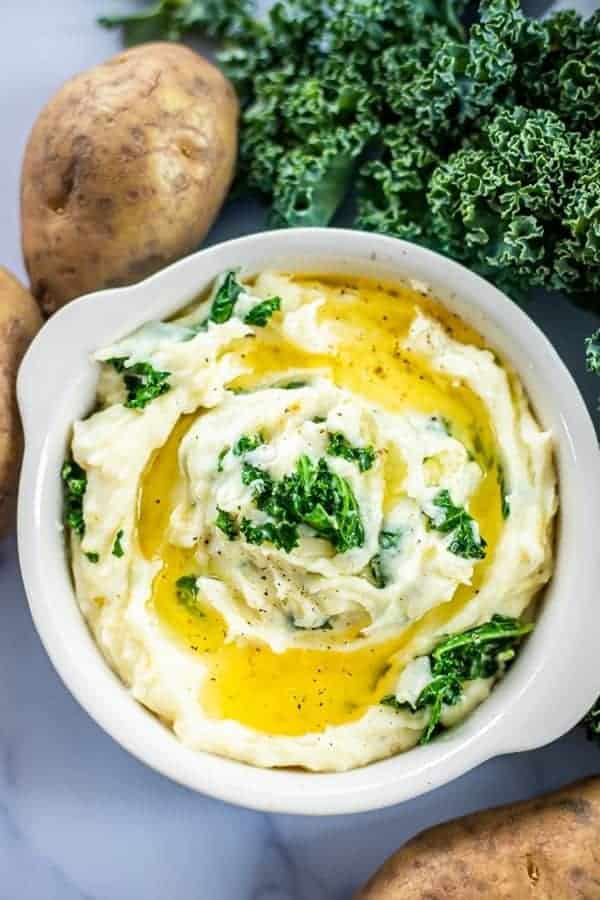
pixel 318 490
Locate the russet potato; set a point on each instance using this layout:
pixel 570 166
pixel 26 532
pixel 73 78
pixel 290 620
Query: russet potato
pixel 544 849
pixel 20 319
pixel 125 170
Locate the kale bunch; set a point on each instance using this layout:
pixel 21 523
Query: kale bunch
pixel 312 106
pixel 493 157
pixel 480 141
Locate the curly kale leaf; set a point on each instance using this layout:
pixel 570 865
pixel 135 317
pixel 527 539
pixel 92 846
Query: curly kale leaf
pixel 477 652
pixel 424 84
pixel 519 202
pixel 117 549
pixel 507 60
pixel 143 383
pixel 567 78
pixel 456 521
pixel 501 170
pixel 312 180
pixel 513 206
pixel 316 496
pixel 226 296
pixel 443 690
pixel 246 443
pixel 389 542
pixel 392 188
pixel 339 445
pixel 312 495
pixel 262 483
pixel 260 314
pixel 592 352
pixel 311 108
pixel 481 652
pixel 577 266
pixel 74 480
pixel 171 19
pixel 226 523
pixel 282 535
pixel 160 21
pixel 186 592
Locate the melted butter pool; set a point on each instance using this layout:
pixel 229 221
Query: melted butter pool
pixel 306 689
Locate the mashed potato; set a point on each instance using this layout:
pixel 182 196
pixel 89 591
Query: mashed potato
pixel 294 491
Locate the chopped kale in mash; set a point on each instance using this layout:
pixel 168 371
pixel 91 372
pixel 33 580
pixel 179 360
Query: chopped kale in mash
pixel 261 313
pixel 481 652
pixel 456 521
pixel 225 521
pixel 143 383
pixel 389 542
pixel 339 445
pixel 186 591
pixel 225 298
pixel 227 295
pixel 283 535
pixel 247 442
pixel 74 481
pixel 117 549
pixel 312 495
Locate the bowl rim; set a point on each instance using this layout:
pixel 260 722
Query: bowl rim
pixel 523 710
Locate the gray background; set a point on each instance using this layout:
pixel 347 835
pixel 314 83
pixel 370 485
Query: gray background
pixel 80 818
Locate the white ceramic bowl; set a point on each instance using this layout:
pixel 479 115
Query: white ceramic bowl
pixel 557 676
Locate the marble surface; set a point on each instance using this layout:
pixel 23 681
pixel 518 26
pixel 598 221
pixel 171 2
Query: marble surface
pixel 79 818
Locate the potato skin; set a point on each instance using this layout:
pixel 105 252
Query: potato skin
pixel 20 319
pixel 125 170
pixel 547 849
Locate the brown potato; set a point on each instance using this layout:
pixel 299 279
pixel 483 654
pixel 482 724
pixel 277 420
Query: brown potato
pixel 125 170
pixel 545 849
pixel 20 319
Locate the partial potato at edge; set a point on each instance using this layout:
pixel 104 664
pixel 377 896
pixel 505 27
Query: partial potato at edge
pixel 20 320
pixel 543 849
pixel 125 170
